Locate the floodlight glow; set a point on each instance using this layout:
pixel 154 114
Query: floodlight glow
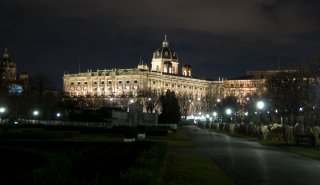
pixel 2 110
pixel 35 113
pixel 228 111
pixel 215 114
pixel 260 105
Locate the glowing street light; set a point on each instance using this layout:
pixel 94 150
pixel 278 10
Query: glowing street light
pixel 2 110
pixel 58 115
pixel 260 105
pixel 215 114
pixel 36 113
pixel 229 112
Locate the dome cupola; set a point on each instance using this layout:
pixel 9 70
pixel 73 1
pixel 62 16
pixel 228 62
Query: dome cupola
pixel 165 54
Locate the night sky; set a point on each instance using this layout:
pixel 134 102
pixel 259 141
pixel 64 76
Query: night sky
pixel 218 38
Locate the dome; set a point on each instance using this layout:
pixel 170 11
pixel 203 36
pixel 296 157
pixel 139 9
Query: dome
pixel 165 52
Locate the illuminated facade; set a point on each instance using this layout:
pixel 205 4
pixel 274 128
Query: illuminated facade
pixel 161 76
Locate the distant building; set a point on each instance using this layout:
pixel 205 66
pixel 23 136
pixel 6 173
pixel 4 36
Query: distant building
pixel 161 76
pixel 8 74
pixel 8 71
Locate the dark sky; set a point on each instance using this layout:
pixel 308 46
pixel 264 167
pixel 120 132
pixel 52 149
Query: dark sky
pixel 216 37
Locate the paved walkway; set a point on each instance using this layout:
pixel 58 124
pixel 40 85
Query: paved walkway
pixel 251 163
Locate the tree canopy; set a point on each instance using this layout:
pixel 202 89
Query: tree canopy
pixel 170 112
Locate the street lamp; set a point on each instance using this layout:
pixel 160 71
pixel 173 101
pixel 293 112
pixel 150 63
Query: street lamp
pixel 229 112
pixel 35 114
pixel 58 115
pixel 260 106
pixel 2 111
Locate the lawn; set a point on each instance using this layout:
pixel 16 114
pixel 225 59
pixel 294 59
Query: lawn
pixel 178 139
pixel 188 168
pixel 191 169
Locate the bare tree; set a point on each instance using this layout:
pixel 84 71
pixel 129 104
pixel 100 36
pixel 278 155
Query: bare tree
pixel 149 99
pixel 185 102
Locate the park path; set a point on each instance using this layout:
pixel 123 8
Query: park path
pixel 251 163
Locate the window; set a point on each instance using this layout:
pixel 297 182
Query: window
pixel 166 84
pixel 102 82
pixel 86 83
pixel 95 83
pixel 154 82
pixel 120 81
pixel 109 82
pixel 79 83
pixel 172 85
pixel 128 81
pixel 136 81
pixel 72 83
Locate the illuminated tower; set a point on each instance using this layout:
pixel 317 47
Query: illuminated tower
pixel 8 71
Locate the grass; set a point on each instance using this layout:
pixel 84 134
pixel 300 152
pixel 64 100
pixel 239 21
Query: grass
pixel 190 169
pixel 178 139
pixel 306 152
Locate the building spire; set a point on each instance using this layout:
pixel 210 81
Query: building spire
pixel 165 43
pixel 5 54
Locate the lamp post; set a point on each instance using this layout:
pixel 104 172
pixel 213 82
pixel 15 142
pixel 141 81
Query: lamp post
pixel 2 111
pixel 58 115
pixel 229 113
pixel 35 114
pixel 215 114
pixel 260 106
